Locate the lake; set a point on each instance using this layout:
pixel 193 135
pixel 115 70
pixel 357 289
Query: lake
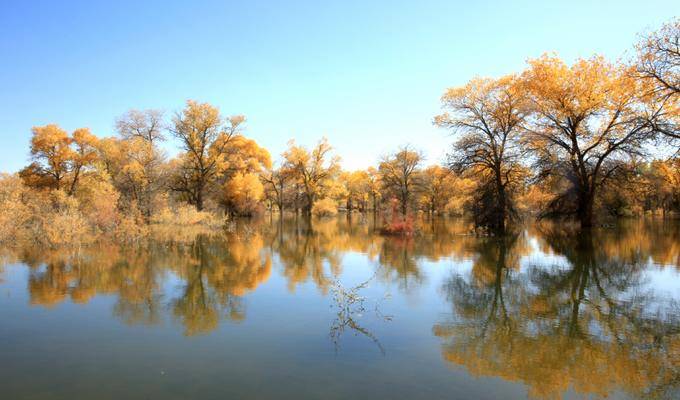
pixel 331 309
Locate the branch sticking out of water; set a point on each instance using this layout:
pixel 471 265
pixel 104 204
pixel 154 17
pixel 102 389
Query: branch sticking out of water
pixel 350 305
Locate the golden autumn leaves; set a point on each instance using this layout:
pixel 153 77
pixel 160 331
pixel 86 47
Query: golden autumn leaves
pixel 58 157
pixel 214 149
pixel 578 123
pixel 554 139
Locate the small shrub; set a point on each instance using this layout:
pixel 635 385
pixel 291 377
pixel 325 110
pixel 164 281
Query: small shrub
pixel 186 215
pixel 325 208
pixel 398 224
pixel 64 225
pixel 131 229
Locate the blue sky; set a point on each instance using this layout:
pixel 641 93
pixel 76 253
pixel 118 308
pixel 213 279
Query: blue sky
pixel 366 74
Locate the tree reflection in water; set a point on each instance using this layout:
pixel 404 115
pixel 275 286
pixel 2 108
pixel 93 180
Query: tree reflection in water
pixel 214 273
pixel 551 309
pixel 589 325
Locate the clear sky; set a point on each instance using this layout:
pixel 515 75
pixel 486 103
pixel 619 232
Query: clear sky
pixel 366 74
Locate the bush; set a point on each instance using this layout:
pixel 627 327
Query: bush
pixel 325 208
pixel 400 226
pixel 131 227
pixel 99 202
pixel 243 193
pixel 63 224
pixel 13 212
pixel 67 227
pixel 185 215
pixel 51 217
pixel 455 207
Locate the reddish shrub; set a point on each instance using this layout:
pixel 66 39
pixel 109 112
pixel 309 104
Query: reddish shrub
pixel 399 225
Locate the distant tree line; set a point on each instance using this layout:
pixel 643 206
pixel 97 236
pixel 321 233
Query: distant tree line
pixel 552 140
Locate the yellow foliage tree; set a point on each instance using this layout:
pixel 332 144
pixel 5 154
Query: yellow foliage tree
pixel 587 117
pixel 243 193
pixel 438 188
pixel 52 153
pixel 357 189
pixel 204 137
pixel 313 170
pixel 85 155
pixel 487 116
pixel 400 175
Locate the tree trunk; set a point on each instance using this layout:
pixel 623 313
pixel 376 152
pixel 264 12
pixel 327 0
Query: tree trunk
pixel 309 205
pixel 501 214
pixel 74 182
pixel 585 208
pixel 501 208
pixel 199 200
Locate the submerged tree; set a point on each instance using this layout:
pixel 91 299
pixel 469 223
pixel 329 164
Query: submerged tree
pixel 357 186
pixel 400 175
pixel 243 193
pixel 374 186
pixel 276 182
pixel 587 118
pixel 204 137
pixel 438 186
pixel 239 177
pixel 315 170
pixel 486 116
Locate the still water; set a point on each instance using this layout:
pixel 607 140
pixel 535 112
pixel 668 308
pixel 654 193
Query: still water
pixel 330 309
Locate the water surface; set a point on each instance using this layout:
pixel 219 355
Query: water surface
pixel 330 309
